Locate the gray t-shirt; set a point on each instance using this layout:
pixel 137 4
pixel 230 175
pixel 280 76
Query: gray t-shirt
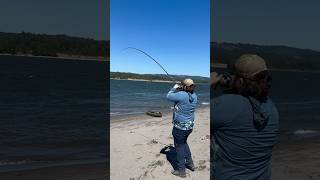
pixel 245 132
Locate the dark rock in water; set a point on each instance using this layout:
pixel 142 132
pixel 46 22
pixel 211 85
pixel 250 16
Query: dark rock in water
pixel 154 114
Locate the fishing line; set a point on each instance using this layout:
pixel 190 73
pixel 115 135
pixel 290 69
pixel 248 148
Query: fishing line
pixel 171 77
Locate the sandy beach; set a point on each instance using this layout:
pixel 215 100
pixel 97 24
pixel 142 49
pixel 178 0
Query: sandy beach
pixel 141 147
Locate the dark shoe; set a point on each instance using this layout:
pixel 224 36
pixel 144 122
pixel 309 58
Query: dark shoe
pixel 181 174
pixel 191 167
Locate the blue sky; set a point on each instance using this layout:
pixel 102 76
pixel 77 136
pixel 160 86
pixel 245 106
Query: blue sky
pixel 174 32
pixel 82 18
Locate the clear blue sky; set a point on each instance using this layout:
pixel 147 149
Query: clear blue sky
pixel 279 22
pixel 83 18
pixel 174 32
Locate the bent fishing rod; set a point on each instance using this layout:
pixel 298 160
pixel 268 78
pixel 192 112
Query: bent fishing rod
pixel 171 77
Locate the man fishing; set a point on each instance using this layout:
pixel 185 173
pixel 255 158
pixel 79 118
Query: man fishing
pixel 183 118
pixel 185 100
pixel 245 123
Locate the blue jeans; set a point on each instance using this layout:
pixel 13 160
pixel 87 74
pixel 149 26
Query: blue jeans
pixel 183 151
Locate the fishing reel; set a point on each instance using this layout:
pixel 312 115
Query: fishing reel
pixel 182 87
pixel 179 86
pixel 224 81
pixel 227 80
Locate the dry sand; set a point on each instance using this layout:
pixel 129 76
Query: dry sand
pixel 136 143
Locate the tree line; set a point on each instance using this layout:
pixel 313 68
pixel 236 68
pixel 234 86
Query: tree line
pixel 52 45
pixel 163 77
pixel 277 57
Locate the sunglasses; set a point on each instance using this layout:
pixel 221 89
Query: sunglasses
pixel 260 77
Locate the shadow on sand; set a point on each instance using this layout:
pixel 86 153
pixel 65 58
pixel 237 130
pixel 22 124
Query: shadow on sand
pixel 171 154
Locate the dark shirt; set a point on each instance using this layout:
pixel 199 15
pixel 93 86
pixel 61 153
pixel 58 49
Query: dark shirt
pixel 245 132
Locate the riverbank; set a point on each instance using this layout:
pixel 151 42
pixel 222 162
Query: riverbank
pixel 224 66
pixel 151 80
pixel 146 80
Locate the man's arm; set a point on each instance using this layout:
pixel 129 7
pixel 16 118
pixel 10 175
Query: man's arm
pixel 175 96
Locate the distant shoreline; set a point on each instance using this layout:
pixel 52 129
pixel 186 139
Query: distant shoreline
pixel 80 58
pixel 157 77
pixel 221 65
pixel 146 80
pixel 295 70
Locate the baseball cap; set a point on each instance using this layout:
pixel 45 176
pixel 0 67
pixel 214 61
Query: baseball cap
pixel 188 82
pixel 249 65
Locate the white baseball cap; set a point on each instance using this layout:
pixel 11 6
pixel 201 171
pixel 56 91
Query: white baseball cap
pixel 188 82
pixel 249 65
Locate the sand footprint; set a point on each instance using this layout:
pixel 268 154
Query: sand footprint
pixel 202 165
pixel 153 141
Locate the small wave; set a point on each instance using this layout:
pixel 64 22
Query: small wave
pixel 125 113
pixel 12 163
pixel 139 93
pixel 305 132
pixel 205 103
pixel 299 103
pixel 92 101
pixel 115 113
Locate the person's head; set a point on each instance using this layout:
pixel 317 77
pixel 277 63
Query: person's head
pixel 188 85
pixel 252 77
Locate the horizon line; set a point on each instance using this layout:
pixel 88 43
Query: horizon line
pixel 159 74
pixel 258 44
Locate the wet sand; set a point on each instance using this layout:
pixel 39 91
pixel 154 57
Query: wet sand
pixel 297 160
